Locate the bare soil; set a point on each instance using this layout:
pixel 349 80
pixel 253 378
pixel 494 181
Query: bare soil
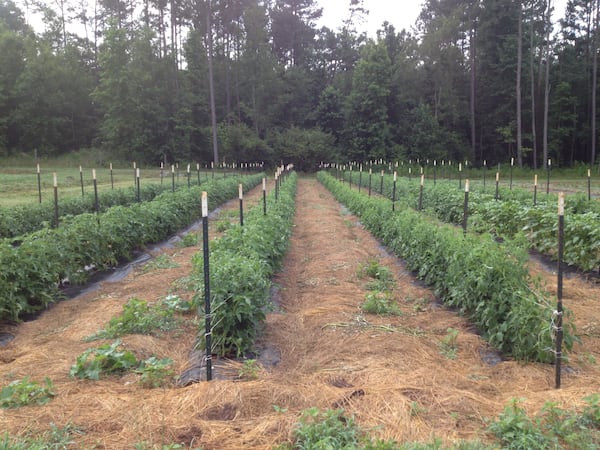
pixel 389 372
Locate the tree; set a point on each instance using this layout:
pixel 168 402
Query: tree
pixel 367 133
pixel 292 24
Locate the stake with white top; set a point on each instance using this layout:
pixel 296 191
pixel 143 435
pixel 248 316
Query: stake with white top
pixel 207 312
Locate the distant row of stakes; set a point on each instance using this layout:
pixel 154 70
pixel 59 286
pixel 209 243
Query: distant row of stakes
pixel 174 171
pixel 447 171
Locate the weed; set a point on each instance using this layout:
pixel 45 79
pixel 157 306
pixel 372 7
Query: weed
pixel 222 225
pixel 54 439
pixel 517 431
pixel 162 261
pixel 25 392
pixel 449 345
pixel 328 429
pixel 155 372
pixel 188 240
pixel 416 410
pixel 176 303
pixel 380 303
pixel 106 359
pixel 373 269
pixel 138 317
pixel 250 370
pixel 419 304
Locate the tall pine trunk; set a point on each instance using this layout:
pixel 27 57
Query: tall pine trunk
pixel 547 81
pixel 594 83
pixel 518 88
pixel 534 142
pixel 472 89
pixel 211 87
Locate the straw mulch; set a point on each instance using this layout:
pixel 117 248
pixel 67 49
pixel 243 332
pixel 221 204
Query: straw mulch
pixel 390 373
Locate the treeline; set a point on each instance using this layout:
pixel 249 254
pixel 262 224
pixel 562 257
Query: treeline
pixel 474 79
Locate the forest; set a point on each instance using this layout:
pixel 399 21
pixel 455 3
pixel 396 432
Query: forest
pixel 257 80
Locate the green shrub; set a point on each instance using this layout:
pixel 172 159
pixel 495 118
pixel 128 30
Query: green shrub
pixel 107 359
pixel 34 267
pixel 242 262
pixel 138 317
pixel 25 392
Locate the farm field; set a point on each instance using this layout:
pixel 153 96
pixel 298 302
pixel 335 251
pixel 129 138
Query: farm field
pixel 419 375
pixel 19 185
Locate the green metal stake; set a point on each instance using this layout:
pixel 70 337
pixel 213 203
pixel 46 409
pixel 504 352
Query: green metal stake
pixel 559 290
pixel 81 179
pixel 55 184
pixel 207 313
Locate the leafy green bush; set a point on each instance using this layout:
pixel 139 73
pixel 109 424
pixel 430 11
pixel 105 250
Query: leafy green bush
pixel 110 359
pixel 27 218
pixel 242 262
pixel 155 372
pixel 25 392
pixel 33 270
pixel 553 427
pixel 513 214
pixel 380 303
pixel 138 317
pixel 104 360
pixel 485 280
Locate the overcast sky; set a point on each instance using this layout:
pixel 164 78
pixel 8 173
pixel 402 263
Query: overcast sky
pixel 400 13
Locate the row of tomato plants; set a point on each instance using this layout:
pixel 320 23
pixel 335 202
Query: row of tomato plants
pixel 29 217
pixel 485 280
pixel 578 202
pixel 33 270
pixel 242 263
pixel 509 216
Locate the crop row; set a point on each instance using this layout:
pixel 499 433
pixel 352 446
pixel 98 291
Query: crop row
pixel 33 270
pixel 508 218
pixel 27 218
pixel 242 262
pixel 481 278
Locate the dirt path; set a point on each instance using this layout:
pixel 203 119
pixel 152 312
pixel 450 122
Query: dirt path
pixel 389 372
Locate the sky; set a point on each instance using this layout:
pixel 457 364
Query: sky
pixel 400 13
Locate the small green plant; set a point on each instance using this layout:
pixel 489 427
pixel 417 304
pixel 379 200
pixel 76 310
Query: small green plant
pixel 25 392
pixel 104 360
pixel 416 409
pixel 188 240
pixel 517 431
pixel 249 370
pixel 328 429
pixel 155 372
pixel 222 225
pixel 449 344
pixel 54 439
pixel 373 269
pixel 419 304
pixel 162 261
pixel 138 317
pixel 176 303
pixel 381 303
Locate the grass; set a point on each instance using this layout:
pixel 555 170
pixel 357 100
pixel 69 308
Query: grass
pixel 19 181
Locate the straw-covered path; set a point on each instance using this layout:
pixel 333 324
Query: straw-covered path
pixel 392 373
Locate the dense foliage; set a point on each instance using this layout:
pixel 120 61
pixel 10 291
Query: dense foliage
pixel 241 264
pixel 28 217
pixel 470 80
pixel 509 215
pixel 485 280
pixel 33 270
